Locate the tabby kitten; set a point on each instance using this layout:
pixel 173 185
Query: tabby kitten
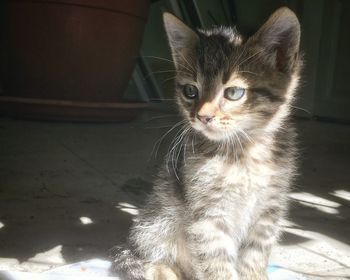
pixel 216 212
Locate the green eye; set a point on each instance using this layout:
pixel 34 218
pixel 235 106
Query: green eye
pixel 234 93
pixel 190 91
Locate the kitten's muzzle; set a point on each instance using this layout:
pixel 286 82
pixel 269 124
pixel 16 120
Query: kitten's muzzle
pixel 205 119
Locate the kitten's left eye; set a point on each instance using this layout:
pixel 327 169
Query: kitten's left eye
pixel 234 93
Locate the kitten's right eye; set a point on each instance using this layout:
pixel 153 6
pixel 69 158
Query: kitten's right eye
pixel 190 91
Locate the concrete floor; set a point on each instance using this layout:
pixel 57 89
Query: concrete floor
pixel 68 192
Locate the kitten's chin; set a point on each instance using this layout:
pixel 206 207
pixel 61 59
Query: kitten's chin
pixel 211 133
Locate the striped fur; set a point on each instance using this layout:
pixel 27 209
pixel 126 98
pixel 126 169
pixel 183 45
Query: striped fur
pixel 216 208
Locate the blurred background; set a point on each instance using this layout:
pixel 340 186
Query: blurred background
pixel 87 116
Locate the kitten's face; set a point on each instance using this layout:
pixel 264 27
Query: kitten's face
pixel 218 109
pixel 227 87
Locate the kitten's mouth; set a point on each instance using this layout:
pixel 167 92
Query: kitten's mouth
pixel 208 130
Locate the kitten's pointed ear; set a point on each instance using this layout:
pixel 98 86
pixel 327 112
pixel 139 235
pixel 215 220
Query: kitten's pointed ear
pixel 182 39
pixel 280 37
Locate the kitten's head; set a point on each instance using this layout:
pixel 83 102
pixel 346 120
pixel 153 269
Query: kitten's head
pixel 227 85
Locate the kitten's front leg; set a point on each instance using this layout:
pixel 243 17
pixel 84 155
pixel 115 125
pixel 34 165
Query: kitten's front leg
pixel 252 264
pixel 213 251
pixel 253 257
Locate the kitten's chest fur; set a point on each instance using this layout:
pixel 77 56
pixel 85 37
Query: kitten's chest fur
pixel 226 188
pixel 223 173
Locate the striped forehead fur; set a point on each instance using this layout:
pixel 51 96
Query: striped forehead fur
pixel 230 33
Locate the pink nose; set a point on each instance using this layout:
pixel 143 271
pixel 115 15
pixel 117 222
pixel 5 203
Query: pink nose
pixel 205 119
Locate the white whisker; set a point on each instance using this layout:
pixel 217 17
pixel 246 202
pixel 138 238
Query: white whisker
pixel 246 135
pixel 171 155
pixel 301 109
pixel 167 60
pixel 159 141
pixel 250 57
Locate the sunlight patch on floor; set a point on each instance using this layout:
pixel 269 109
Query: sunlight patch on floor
pixel 128 208
pixel 318 248
pixel 319 203
pixel 342 194
pixel 86 220
pixel 51 256
pixel 38 263
pixel 9 263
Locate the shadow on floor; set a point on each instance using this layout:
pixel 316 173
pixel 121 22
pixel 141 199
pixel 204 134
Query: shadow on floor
pixel 69 172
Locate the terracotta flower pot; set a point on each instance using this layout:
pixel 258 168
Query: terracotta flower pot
pixel 69 54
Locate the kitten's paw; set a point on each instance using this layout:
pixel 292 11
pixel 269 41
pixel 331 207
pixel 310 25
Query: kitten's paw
pixel 253 276
pixel 162 272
